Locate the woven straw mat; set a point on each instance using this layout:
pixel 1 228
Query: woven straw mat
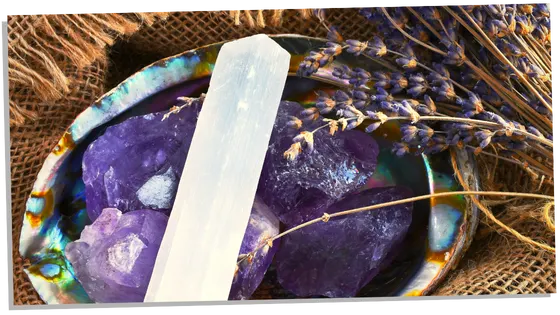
pixel 495 264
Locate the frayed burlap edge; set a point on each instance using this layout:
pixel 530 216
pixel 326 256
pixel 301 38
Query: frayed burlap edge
pixel 39 46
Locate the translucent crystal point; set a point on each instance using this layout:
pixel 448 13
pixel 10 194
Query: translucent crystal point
pixel 198 255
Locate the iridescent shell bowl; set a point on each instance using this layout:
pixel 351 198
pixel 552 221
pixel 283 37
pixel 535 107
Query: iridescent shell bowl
pixel 55 215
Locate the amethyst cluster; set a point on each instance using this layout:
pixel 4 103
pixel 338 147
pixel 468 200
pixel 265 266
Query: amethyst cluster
pixel 131 174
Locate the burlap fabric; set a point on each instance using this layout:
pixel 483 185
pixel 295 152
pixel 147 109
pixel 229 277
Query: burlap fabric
pixel 495 264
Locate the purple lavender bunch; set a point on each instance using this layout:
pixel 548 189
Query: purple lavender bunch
pixel 464 77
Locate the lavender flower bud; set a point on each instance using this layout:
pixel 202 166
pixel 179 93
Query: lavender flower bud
pixel 310 114
pixel 484 137
pixel 541 10
pixel 535 71
pixel 400 149
pixel 342 72
pixel 479 16
pixel 408 50
pixel 377 48
pixel 295 123
pixel 408 132
pixel 325 103
pixel 418 85
pixel 497 10
pixel 417 78
pixel 495 118
pixel 333 35
pixel 360 95
pixel 424 110
pixel 445 91
pixel 372 127
pixel 359 77
pixel 430 103
pixel 424 131
pixel 356 47
pixel 407 62
pixel 467 136
pixel 341 96
pixel 441 69
pixel 455 55
pixel 541 33
pixel 333 49
pixel 406 109
pixel 388 106
pixel 399 82
pixel 382 95
pixel 360 99
pixel 378 75
pixel 430 13
pixel 353 124
pixel 453 139
pixel 535 132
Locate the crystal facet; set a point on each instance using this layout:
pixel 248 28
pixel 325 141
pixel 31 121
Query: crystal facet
pixel 337 258
pixel 116 253
pixel 137 164
pixel 219 181
pixel 300 190
pixel 262 226
pixel 114 257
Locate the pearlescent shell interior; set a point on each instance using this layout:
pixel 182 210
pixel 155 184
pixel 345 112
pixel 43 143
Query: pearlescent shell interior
pixel 55 211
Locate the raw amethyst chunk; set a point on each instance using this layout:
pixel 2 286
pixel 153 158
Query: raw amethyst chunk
pixel 302 189
pixel 137 164
pixel 339 257
pixel 262 225
pixel 115 256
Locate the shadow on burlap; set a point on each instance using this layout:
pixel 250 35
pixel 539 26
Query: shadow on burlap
pixel 495 264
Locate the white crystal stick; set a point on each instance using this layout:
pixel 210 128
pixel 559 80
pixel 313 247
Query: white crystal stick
pixel 198 253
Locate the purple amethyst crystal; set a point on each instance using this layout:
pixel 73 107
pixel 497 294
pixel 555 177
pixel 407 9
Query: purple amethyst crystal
pixel 337 258
pixel 137 164
pixel 115 256
pixel 262 225
pixel 300 190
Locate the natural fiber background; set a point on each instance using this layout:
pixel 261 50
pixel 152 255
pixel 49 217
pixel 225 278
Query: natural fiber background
pixel 496 263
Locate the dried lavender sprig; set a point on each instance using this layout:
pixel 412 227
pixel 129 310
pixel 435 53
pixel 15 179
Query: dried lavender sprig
pixel 185 102
pixel 497 51
pixel 428 144
pixel 325 217
pixel 305 138
pixel 361 47
pixel 492 120
pixel 490 78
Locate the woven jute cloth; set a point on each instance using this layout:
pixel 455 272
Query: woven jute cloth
pixel 496 263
